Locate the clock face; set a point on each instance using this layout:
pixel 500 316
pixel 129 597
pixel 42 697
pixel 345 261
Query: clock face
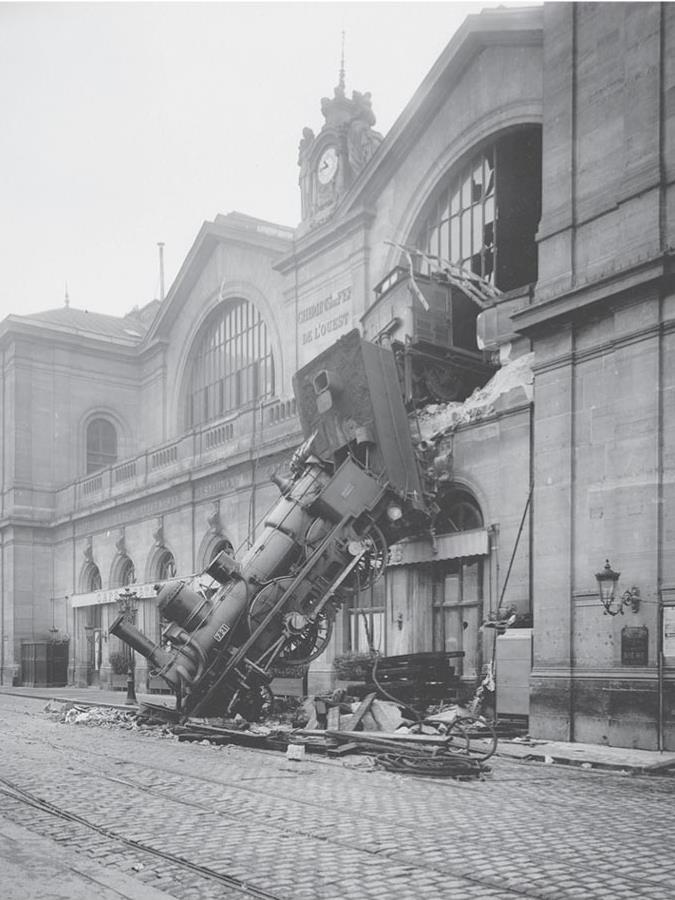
pixel 327 165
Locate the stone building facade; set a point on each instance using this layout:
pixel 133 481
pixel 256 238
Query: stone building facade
pixel 537 153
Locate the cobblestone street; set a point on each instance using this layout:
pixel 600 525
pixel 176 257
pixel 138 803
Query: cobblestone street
pixel 109 812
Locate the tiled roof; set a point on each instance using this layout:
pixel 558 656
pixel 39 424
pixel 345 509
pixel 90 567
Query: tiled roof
pixel 131 327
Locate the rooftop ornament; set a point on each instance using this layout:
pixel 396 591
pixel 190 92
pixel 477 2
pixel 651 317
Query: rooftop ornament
pixel 607 582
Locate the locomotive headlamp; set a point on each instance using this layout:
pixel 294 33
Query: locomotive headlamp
pixel 607 582
pixel 327 381
pixel 394 512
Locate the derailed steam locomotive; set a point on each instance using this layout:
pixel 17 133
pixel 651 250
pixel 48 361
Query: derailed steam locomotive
pixel 353 487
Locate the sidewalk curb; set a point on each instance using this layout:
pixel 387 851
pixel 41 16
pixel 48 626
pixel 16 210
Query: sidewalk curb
pixel 541 755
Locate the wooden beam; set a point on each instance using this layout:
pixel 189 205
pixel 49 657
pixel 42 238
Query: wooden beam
pixel 362 709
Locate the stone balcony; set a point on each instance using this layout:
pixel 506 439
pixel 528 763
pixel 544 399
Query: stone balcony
pixel 230 440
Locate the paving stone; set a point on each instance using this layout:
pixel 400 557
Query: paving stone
pixel 323 830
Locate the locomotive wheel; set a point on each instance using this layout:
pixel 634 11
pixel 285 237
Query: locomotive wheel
pixel 309 643
pixel 305 639
pixel 372 563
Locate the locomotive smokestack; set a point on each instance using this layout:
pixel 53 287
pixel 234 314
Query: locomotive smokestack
pixel 139 642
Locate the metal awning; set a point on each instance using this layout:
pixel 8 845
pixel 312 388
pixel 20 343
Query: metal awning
pixel 448 546
pixel 98 598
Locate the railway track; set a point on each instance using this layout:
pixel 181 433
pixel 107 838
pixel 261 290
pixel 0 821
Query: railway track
pixel 305 813
pixel 241 888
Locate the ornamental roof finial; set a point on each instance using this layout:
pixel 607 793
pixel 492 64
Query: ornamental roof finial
pixel 341 81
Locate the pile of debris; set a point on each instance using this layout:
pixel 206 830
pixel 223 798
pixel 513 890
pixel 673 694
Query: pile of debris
pixel 69 713
pixel 448 742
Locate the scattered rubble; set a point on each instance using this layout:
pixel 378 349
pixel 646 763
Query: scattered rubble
pixel 447 743
pixel 438 419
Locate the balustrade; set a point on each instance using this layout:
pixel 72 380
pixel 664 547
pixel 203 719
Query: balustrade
pixel 132 474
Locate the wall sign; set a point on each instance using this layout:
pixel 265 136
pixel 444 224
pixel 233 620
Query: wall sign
pixel 634 646
pixel 669 631
pixel 323 318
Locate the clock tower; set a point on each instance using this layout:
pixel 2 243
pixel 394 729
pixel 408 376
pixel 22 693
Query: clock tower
pixel 330 161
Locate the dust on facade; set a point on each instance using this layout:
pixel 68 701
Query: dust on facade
pixel 538 154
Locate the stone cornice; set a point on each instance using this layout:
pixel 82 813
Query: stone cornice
pixel 61 336
pixel 581 298
pixel 324 238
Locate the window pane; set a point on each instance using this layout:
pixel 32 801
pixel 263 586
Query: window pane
pixel 445 240
pixel 477 179
pixel 433 242
pixel 454 201
pixel 466 191
pixel 466 234
pixel 455 249
pixel 477 236
pixel 489 173
pixel 101 444
pixel 489 210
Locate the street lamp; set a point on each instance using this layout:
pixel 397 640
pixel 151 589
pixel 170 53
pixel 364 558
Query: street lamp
pixel 607 582
pixel 126 602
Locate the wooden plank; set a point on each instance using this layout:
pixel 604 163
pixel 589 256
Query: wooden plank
pixel 396 737
pixel 343 749
pixel 362 709
pixel 333 719
pixel 378 742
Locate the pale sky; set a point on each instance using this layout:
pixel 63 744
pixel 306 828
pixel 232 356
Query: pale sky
pixel 125 124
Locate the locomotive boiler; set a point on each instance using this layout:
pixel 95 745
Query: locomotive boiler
pixel 352 488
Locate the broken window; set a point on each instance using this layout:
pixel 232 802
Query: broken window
pixel 232 365
pixel 484 215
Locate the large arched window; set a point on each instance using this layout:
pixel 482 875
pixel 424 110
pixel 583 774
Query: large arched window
pixel 485 213
pixel 233 364
pixel 458 511
pixel 101 444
